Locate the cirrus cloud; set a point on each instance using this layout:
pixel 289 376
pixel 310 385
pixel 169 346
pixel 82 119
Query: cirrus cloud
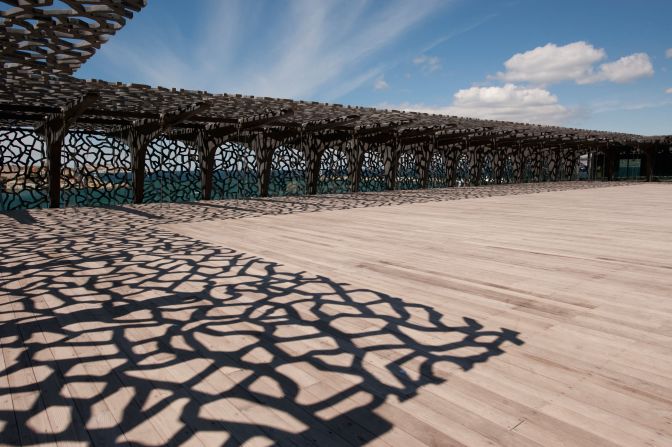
pixel 429 64
pixel 318 50
pixel 380 84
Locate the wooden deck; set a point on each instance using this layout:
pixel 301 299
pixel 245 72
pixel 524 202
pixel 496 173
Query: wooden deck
pixel 525 315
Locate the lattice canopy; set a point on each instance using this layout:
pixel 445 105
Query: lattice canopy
pixel 59 36
pixel 46 40
pixel 65 139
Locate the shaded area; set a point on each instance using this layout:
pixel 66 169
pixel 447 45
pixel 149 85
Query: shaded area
pixel 253 207
pixel 22 216
pixel 115 332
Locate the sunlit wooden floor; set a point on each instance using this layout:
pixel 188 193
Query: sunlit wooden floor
pixel 524 315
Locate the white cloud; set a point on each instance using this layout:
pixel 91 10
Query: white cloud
pixel 509 103
pixel 380 84
pixel 552 63
pixel 429 64
pixel 573 62
pixel 668 53
pixel 625 69
pixel 669 90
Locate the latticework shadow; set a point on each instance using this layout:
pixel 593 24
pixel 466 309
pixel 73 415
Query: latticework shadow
pixel 254 207
pixel 114 331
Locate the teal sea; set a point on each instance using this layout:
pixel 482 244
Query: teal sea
pixel 176 187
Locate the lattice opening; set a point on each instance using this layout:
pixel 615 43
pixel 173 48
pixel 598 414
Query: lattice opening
pixel 235 174
pixel 95 170
pixel 508 171
pixel 172 172
pixel 437 171
pixel 288 172
pixel 333 177
pixel 23 170
pixel 462 170
pixel 407 171
pixel 487 171
pixel 373 172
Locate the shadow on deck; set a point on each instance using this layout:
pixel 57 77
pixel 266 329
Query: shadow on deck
pixel 114 332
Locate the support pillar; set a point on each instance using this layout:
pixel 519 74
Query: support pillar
pixel 54 130
pixel 498 160
pixel 650 159
pixel 526 161
pixel 355 161
pixel 536 164
pixel 450 165
pixel 571 159
pixel 509 173
pixel 610 160
pixel 423 157
pixel 263 148
pixel 264 165
pixel 553 165
pixel 487 164
pixel 206 156
pixel 518 165
pixel 138 143
pixel 313 153
pixel 475 166
pixel 391 153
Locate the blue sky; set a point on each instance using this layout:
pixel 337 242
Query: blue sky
pixel 600 64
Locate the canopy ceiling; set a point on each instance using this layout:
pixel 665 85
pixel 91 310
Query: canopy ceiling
pixel 45 41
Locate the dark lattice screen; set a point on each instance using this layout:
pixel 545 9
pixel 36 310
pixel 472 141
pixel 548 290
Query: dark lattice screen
pixel 407 173
pixel 235 174
pixel 373 172
pixel 333 176
pixel 23 170
pixel 95 170
pixel 437 171
pixel 288 172
pixel 172 172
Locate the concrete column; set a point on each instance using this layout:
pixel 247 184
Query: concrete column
pixel 355 161
pixel 450 163
pixel 313 152
pixel 55 129
pixel 423 157
pixel 391 154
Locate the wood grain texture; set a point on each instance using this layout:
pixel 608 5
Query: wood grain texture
pixel 509 317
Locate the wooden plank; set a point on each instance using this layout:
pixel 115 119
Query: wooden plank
pixel 309 328
pixel 356 237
